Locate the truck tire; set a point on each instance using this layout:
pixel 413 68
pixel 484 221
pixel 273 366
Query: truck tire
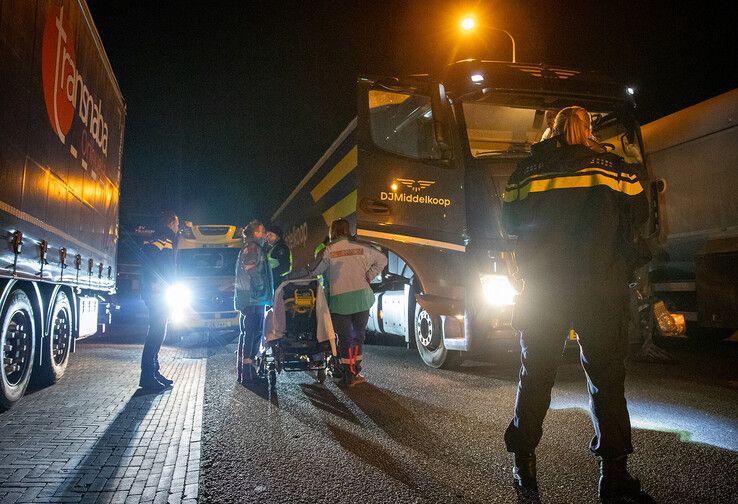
pixel 58 344
pixel 17 341
pixel 429 340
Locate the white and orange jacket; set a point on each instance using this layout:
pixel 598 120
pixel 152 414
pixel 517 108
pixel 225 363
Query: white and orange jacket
pixel 348 267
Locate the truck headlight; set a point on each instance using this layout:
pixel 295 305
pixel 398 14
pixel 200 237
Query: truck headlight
pixel 497 289
pixel 178 296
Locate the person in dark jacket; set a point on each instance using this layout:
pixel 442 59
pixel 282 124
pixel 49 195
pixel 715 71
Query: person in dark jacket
pixel 254 291
pixel 279 255
pixel 157 274
pixel 574 208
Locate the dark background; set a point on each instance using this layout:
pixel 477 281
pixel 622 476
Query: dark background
pixel 231 103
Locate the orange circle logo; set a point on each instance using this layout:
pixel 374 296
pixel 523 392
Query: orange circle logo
pixel 58 72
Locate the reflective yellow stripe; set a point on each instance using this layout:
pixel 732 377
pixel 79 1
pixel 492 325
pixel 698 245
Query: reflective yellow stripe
pixel 597 169
pixel 161 244
pixel 342 168
pixel 345 207
pixel 589 169
pixel 631 188
pixel 410 239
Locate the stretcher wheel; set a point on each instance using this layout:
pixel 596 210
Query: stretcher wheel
pixel 321 375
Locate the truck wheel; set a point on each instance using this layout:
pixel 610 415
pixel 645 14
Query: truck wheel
pixel 429 340
pixel 59 343
pixel 18 347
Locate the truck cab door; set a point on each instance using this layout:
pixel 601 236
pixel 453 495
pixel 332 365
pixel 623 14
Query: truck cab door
pixel 410 174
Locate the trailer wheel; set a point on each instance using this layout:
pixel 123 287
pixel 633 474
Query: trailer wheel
pixel 429 340
pixel 17 341
pixel 59 342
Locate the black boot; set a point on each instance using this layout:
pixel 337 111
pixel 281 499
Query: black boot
pixel 616 484
pixel 149 383
pixel 163 379
pixel 346 379
pixel 524 472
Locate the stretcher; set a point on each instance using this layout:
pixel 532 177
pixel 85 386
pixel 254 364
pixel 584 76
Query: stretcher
pixel 298 331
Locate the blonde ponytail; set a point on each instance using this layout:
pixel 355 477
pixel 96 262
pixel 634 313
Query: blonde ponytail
pixel 575 124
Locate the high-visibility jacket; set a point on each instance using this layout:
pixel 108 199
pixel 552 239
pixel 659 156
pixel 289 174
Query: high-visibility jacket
pixel 279 257
pixel 157 265
pixel 575 212
pixel 348 267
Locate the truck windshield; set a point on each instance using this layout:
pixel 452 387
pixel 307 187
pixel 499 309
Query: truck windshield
pixel 402 123
pixel 207 262
pixel 500 125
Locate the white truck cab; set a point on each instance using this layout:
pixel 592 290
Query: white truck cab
pixel 201 300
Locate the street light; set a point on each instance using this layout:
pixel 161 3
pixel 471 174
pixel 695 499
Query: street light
pixel 469 23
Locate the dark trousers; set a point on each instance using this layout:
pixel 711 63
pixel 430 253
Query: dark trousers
pixel 250 320
pixel 600 323
pixel 351 330
pixel 154 338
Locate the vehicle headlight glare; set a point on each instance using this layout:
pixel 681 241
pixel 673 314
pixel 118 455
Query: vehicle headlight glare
pixel 498 291
pixel 178 296
pixel 176 316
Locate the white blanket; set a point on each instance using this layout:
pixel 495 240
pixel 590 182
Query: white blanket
pixel 275 324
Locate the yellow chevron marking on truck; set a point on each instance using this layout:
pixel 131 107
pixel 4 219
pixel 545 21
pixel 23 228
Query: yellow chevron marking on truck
pixel 342 168
pixel 345 207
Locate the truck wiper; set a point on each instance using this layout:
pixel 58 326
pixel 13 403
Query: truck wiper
pixel 513 148
pixel 506 152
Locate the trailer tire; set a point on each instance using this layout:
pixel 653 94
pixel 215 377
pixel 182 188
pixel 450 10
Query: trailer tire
pixel 58 344
pixel 429 340
pixel 17 343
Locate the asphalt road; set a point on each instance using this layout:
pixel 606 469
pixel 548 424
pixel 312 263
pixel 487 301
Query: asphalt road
pixel 412 434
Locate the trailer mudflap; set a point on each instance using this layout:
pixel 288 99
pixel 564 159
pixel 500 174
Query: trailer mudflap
pixel 717 284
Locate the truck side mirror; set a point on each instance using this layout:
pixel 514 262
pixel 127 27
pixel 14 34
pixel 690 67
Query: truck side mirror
pixel 439 106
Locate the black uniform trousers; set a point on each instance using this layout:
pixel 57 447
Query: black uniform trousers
pixel 250 320
pixel 599 318
pixel 155 335
pixel 351 331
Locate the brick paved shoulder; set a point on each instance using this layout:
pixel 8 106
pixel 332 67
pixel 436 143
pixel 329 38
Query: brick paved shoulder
pixel 94 438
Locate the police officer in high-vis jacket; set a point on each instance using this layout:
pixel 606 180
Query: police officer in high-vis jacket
pixel 157 274
pixel 279 255
pixel 575 209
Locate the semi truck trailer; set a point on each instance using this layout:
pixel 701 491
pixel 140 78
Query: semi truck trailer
pixel 62 120
pixel 693 159
pixel 420 174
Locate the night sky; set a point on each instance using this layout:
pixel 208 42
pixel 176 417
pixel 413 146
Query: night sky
pixel 229 104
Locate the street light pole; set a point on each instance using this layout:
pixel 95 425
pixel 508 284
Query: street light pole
pixel 511 40
pixel 469 24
